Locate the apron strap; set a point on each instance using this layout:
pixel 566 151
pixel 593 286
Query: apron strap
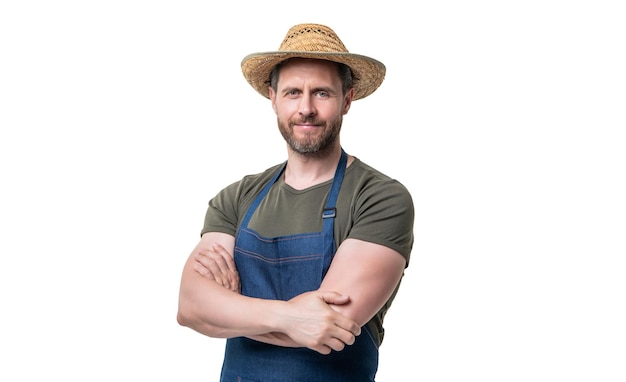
pixel 260 196
pixel 330 211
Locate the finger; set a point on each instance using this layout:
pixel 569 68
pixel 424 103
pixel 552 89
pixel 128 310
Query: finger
pixel 322 349
pixel 207 261
pixel 334 298
pixel 215 261
pixel 202 270
pixel 220 263
pixel 348 325
pixel 228 259
pixel 345 337
pixel 227 266
pixel 234 281
pixel 336 344
pixel 230 278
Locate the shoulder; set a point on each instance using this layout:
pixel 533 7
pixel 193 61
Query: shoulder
pixel 240 193
pixel 366 180
pixel 228 205
pixel 252 183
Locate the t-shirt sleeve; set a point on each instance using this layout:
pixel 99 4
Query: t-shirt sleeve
pixel 221 214
pixel 224 210
pixel 384 215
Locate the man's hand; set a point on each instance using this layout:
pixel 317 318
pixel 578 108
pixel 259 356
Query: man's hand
pixel 217 264
pixel 313 323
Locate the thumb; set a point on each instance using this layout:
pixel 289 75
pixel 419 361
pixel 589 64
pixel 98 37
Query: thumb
pixel 334 298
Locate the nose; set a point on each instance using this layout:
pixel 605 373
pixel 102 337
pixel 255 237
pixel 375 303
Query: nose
pixel 307 106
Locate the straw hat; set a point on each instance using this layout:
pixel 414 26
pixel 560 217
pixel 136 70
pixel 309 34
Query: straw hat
pixel 313 41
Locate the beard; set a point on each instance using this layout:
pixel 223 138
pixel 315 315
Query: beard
pixel 312 144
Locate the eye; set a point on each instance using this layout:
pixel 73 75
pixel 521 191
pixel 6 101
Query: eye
pixel 323 94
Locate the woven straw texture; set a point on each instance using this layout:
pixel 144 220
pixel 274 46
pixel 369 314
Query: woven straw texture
pixel 314 41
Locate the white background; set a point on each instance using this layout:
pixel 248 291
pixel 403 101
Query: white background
pixel 120 119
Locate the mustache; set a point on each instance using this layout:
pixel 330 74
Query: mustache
pixel 309 120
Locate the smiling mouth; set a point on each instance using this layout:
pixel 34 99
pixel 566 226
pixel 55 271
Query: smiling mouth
pixel 307 123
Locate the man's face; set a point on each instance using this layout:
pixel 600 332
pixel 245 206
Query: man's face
pixel 309 104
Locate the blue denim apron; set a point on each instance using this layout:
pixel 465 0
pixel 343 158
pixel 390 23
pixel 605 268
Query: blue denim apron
pixel 280 268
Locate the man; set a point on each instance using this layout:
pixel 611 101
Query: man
pixel 297 265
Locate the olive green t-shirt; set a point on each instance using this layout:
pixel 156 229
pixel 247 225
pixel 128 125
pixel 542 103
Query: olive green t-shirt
pixel 371 207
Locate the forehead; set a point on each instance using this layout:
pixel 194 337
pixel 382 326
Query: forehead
pixel 295 65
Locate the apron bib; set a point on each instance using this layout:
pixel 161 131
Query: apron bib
pixel 280 268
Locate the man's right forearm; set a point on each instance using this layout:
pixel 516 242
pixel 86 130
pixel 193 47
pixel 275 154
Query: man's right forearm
pixel 215 311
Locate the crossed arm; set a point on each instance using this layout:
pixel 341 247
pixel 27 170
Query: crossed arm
pixel 361 278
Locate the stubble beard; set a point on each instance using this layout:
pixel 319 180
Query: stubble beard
pixel 312 144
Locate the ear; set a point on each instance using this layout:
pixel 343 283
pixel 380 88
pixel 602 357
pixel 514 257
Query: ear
pixel 348 101
pixel 272 98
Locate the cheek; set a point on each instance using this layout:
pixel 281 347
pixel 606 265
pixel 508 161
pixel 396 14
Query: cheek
pixel 285 109
pixel 333 112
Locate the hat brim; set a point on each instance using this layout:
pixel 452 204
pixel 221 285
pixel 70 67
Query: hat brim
pixel 368 73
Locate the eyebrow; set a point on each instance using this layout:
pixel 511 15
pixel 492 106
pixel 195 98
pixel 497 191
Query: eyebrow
pixel 314 90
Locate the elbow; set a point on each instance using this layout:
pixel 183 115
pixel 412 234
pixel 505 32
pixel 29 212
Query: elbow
pixel 182 319
pixel 184 315
pixel 188 314
pixel 189 317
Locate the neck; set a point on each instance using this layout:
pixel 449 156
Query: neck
pixel 304 171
